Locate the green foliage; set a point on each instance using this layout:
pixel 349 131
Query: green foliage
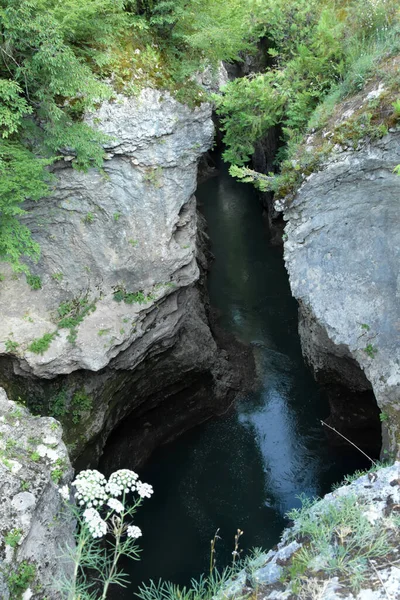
pixel 383 416
pixel 88 218
pixel 340 536
pixel 11 346
pixel 72 313
pixel 371 350
pixel 139 297
pixel 58 277
pixel 34 281
pixel 41 345
pixel 22 176
pixel 20 579
pixel 13 537
pixel 58 405
pixel 315 47
pixel 81 403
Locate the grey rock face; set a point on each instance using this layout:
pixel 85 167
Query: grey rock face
pixel 343 255
pixel 32 526
pixel 130 229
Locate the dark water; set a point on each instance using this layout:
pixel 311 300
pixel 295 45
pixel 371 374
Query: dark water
pixel 245 470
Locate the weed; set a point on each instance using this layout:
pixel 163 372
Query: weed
pixel 139 297
pixel 24 486
pixel 133 243
pixel 58 406
pixel 34 281
pixel 383 416
pixel 102 332
pixel 56 475
pixel 19 580
pixel 153 177
pixel 58 277
pixel 72 313
pixel 365 326
pixel 41 345
pixel 28 318
pixel 80 404
pixel 116 216
pixel 396 109
pixel 371 350
pixel 35 456
pixel 2 277
pixel 13 537
pixel 11 346
pixel 88 218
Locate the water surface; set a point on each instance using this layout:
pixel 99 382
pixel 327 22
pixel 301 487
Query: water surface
pixel 245 470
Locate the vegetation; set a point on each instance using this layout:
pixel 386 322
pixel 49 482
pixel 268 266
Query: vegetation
pixel 54 59
pixel 40 345
pixel 139 297
pixel 319 52
pixel 340 537
pixel 20 578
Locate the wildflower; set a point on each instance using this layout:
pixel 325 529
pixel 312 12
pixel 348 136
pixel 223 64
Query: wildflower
pixel 133 531
pixel 96 525
pixel 90 487
pixel 116 505
pixel 144 489
pixel 123 480
pixel 64 492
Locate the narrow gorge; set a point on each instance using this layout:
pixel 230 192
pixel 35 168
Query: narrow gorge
pixel 202 293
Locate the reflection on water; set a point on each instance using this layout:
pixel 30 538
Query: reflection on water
pixel 245 470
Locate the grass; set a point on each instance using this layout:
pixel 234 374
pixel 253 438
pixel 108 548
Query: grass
pixel 336 539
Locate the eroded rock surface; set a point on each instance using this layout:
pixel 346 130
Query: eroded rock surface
pixel 342 253
pixel 119 263
pixel 33 464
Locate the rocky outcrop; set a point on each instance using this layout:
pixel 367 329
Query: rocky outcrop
pixel 118 324
pixel 33 463
pixel 342 252
pixel 344 546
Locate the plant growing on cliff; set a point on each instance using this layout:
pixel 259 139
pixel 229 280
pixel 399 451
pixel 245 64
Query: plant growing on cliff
pixel 103 508
pixel 337 537
pixel 40 345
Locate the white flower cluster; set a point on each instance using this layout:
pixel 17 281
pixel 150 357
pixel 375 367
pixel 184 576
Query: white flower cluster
pixel 95 523
pixel 90 488
pixel 116 505
pixel 133 531
pixel 144 489
pixel 93 491
pixel 121 481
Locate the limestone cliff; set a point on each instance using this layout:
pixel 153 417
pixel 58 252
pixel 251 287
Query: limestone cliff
pixel 33 463
pixel 342 252
pixel 118 323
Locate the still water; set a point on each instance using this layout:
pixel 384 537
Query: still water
pixel 247 469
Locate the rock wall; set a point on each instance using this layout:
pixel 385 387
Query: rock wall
pixel 119 305
pixel 33 463
pixel 342 252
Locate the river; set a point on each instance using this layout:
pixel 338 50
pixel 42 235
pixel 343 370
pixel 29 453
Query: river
pixel 247 469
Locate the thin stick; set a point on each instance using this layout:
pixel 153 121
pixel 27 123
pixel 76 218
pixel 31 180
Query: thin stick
pixel 390 597
pixel 350 442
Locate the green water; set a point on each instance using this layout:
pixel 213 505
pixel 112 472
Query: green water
pixel 247 469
